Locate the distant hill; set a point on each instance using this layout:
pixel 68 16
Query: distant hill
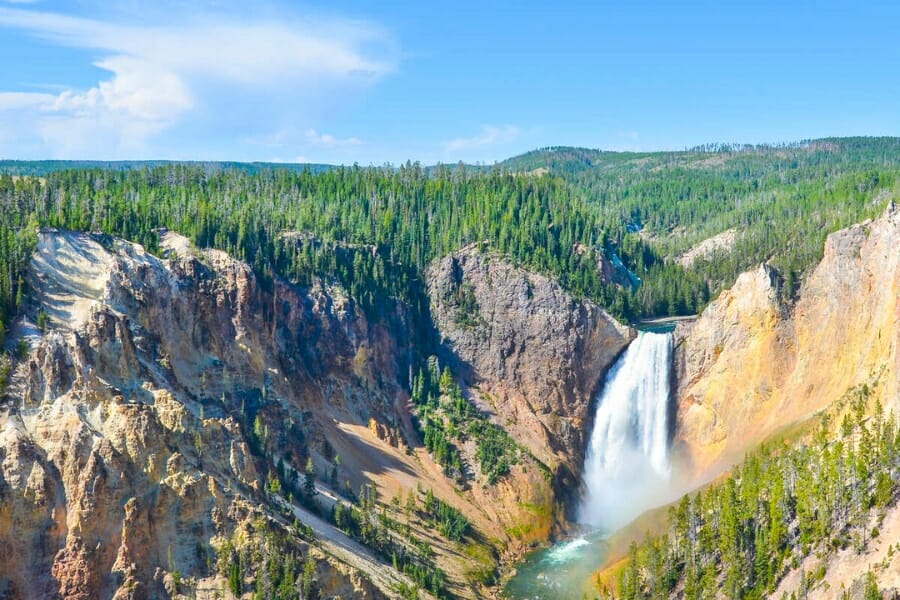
pixel 571 160
pixel 557 159
pixel 44 167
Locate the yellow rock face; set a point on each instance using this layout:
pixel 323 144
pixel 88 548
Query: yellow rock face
pixel 750 366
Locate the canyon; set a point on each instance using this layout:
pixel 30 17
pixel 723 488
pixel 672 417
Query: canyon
pixel 142 429
pixel 130 427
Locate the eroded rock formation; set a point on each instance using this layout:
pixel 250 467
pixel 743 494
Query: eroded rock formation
pixel 537 354
pixel 125 453
pixel 750 365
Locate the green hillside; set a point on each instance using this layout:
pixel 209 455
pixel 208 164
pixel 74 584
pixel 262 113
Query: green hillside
pixel 542 209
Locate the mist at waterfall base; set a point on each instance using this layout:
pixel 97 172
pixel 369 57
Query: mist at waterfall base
pixel 626 470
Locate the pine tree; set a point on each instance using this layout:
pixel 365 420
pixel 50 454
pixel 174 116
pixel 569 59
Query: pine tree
pixel 309 482
pixel 870 590
pixel 235 582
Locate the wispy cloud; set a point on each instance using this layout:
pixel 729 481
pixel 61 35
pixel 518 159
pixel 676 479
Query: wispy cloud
pixel 194 69
pixel 329 141
pixel 489 135
pixel 18 100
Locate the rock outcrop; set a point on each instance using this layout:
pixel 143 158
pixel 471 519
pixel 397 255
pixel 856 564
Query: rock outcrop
pixel 534 355
pixel 126 434
pixel 750 366
pixel 722 242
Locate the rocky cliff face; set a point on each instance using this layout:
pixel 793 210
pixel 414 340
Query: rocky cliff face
pixel 750 366
pixel 125 451
pixel 533 355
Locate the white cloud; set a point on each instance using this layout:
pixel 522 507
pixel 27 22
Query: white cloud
pixel 329 141
pixel 489 135
pixel 19 100
pixel 201 70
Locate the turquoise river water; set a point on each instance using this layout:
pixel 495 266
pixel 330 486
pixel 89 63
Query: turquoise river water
pixel 562 572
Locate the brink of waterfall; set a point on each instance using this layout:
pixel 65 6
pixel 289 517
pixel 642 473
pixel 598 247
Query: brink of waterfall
pixel 626 467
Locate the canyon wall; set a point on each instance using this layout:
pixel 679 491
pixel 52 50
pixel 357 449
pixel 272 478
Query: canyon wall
pixel 534 355
pixel 126 459
pixel 750 366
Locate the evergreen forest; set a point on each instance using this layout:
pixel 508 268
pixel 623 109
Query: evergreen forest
pixel 561 211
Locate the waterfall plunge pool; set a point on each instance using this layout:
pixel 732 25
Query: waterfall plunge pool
pixel 561 571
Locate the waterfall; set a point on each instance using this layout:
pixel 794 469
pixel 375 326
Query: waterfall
pixel 626 466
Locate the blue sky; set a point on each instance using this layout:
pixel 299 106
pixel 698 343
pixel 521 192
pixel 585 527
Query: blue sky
pixel 386 81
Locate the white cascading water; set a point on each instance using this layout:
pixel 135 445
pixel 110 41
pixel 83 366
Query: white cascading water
pixel 626 467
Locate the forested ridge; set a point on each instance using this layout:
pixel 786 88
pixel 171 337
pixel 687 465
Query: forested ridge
pixel 782 200
pixel 376 229
pixel 373 230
